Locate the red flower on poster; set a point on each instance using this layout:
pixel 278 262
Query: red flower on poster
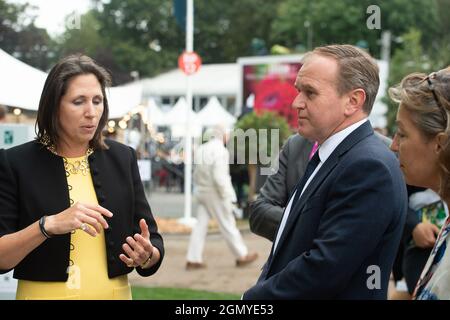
pixel 276 94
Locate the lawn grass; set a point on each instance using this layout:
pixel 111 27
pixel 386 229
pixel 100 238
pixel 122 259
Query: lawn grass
pixel 140 293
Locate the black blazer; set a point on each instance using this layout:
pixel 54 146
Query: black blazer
pixel 33 183
pixel 342 234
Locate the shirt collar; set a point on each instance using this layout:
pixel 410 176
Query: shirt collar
pixel 329 145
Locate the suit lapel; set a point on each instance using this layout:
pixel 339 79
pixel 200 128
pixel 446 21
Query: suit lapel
pixel 353 138
pixel 296 208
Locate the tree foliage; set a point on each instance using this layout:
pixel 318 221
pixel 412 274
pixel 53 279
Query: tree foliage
pixel 143 35
pixel 226 30
pixel 408 59
pixel 21 38
pixel 274 124
pixel 313 23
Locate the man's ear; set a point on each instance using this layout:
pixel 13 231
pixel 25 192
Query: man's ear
pixel 356 99
pixel 441 141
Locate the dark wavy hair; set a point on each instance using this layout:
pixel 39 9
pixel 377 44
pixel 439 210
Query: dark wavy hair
pixel 55 87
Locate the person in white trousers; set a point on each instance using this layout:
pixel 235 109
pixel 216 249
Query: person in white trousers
pixel 216 197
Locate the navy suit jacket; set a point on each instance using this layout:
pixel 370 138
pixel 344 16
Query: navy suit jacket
pixel 342 234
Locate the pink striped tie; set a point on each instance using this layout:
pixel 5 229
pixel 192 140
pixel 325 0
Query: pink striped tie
pixel 313 150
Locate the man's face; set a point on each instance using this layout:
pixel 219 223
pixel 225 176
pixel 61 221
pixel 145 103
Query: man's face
pixel 321 110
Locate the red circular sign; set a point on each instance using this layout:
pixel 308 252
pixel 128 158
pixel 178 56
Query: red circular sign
pixel 189 62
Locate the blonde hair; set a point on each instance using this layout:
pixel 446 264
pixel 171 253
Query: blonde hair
pixel 427 99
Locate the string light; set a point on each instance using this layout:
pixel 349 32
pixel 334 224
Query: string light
pixel 140 109
pixel 123 124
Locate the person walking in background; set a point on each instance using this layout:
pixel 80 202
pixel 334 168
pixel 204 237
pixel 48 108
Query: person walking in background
pixel 216 198
pixel 74 219
pixel 334 228
pixel 423 146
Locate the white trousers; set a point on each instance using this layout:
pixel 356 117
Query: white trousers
pixel 210 204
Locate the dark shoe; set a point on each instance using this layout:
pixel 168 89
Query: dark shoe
pixel 195 265
pixel 246 260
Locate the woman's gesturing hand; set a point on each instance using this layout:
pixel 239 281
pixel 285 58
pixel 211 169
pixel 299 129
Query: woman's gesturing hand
pixel 139 250
pixel 86 217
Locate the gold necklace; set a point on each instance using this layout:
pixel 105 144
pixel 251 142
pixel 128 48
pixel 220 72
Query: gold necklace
pixel 79 166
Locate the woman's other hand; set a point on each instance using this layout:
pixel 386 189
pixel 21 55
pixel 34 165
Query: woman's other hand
pixel 86 217
pixel 424 234
pixel 139 250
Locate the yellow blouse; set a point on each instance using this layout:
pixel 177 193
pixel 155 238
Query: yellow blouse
pixel 88 273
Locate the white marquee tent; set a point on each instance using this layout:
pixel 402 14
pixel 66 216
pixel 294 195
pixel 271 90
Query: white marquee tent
pixel 219 79
pixel 21 86
pixel 176 119
pixel 122 99
pixel 154 114
pixel 213 113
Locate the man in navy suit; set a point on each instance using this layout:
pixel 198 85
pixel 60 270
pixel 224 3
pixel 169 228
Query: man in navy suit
pixel 342 226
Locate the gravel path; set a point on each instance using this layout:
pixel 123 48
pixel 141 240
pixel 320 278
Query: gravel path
pixel 221 274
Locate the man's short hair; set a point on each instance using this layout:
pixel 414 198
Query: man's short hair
pixel 357 70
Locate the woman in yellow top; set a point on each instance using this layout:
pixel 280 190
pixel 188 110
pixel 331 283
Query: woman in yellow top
pixel 74 218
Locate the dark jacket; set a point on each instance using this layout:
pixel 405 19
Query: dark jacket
pixel 33 183
pixel 342 234
pixel 267 209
